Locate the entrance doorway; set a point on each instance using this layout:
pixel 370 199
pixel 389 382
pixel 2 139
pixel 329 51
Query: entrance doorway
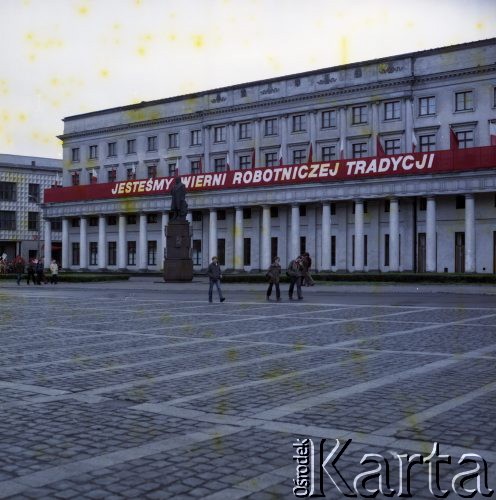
pixel 460 252
pixel 421 253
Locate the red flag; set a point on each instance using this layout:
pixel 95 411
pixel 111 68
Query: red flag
pixel 414 142
pixel 492 132
pixel 454 143
pixel 310 154
pixel 228 163
pixel 280 155
pixel 341 150
pixel 253 158
pixel 380 149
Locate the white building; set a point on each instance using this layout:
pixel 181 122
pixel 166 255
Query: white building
pixel 23 180
pixel 388 166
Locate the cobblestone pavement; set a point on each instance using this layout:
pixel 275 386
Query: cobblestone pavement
pixel 141 390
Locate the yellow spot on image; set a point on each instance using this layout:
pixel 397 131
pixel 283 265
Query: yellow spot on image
pixel 198 41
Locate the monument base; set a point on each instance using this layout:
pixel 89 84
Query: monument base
pixel 178 270
pixel 178 265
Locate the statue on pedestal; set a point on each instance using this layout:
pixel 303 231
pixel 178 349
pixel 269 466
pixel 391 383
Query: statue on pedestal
pixel 179 207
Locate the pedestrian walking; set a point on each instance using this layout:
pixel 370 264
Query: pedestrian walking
pixel 306 262
pixel 31 272
pixel 39 272
pixel 215 275
pixel 273 274
pixel 54 272
pixel 294 272
pixel 19 265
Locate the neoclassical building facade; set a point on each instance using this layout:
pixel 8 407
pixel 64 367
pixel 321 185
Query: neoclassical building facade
pixel 382 165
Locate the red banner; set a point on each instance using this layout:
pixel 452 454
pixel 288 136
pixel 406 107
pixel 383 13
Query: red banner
pixel 316 172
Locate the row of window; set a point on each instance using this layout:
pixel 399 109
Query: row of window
pixel 463 101
pixel 112 253
pixel 8 192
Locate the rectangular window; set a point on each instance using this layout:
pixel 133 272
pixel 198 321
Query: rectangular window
pixel 195 138
pixel 465 139
pixel 328 119
pixel 245 162
pixel 152 253
pixel 333 250
pixel 359 115
pixel 8 219
pixel 299 123
pixel 427 143
pixel 131 146
pixel 112 253
pixel 270 159
pixel 392 146
pixel 131 253
pixel 75 253
pixel 75 222
pixel 93 152
pixel 273 248
pixel 93 253
pixel 173 140
pixel 244 131
pixel 460 202
pixel 328 153
pixel 221 215
pixel 220 134
pixel 464 101
pixel 427 106
pixel 299 156
pixel 75 156
pixel 422 204
pixel 131 173
pixel 360 149
pixel 8 192
pixel 112 175
pixel 172 169
pixel 33 193
pixel 247 251
pixel 112 149
pixel 333 209
pixel 131 219
pixel 303 210
pixel 33 221
pixel 353 250
pixel 274 212
pixel 112 220
pixel 151 143
pixel 152 171
pixel 221 251
pixel 365 250
pixel 303 244
pixel 56 225
pixel 151 218
pixel 195 167
pixel 247 213
pixel 392 110
pixel 197 216
pixel 387 206
pixel 93 221
pixel 75 178
pixel 197 252
pixel 270 126
pixel 386 249
pixel 220 164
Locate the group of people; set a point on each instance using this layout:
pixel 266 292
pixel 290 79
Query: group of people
pixel 298 272
pixel 35 271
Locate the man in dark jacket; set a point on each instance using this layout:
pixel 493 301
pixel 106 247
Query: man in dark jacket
pixel 19 265
pixel 273 274
pixel 215 276
pixel 31 272
pixel 295 270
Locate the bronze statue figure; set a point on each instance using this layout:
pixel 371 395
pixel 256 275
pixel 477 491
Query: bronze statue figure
pixel 179 207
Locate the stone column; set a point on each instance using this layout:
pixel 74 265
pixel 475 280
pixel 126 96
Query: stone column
pixel 326 237
pixel 295 232
pixel 163 239
pixel 121 244
pixel 313 133
pixel 430 235
pixel 256 135
pixel 65 243
pixel 231 134
pixel 48 243
pixel 469 233
pixel 102 242
pixel 265 238
pixel 408 107
pixel 375 127
pixel 142 244
pixel 358 235
pixel 394 257
pixel 206 148
pixel 284 138
pixel 342 131
pixel 83 243
pixel 239 257
pixel 212 234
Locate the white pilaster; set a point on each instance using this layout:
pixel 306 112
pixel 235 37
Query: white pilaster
pixel 408 106
pixel 239 257
pixel 284 138
pixel 358 235
pixel 83 243
pixel 326 237
pixel 206 148
pixel 256 138
pixel 394 257
pixel 265 238
pixel 48 243
pixel 143 239
pixel 102 242
pixel 212 234
pixel 121 243
pixel 430 236
pixel 295 232
pixel 65 243
pixel 469 233
pixel 313 132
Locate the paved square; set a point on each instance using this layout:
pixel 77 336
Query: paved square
pixel 144 390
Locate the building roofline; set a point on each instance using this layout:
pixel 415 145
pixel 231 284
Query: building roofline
pixel 421 53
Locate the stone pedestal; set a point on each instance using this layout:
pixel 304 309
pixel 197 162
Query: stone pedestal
pixel 178 265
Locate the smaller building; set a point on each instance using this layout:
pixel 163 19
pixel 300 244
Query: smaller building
pixel 23 180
